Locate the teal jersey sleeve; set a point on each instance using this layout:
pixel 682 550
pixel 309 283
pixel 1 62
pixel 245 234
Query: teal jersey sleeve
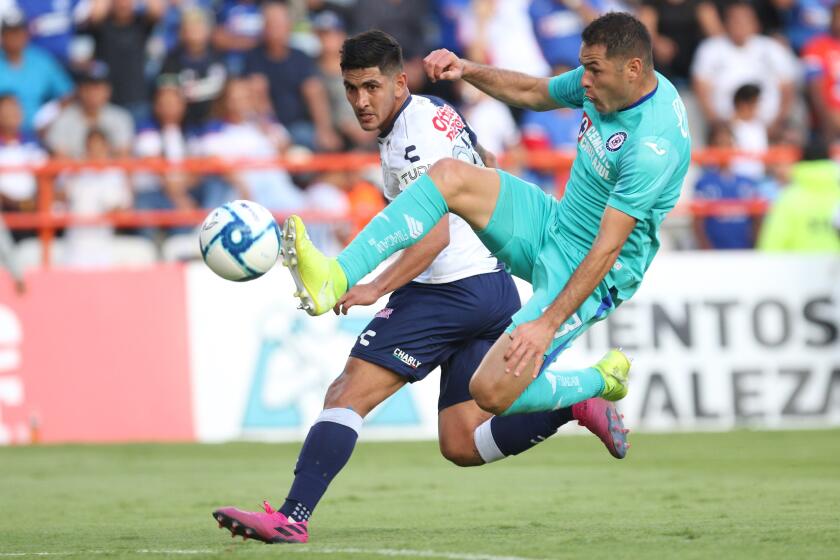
pixel 644 172
pixel 566 90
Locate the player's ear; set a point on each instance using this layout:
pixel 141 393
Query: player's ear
pixel 400 83
pixel 634 67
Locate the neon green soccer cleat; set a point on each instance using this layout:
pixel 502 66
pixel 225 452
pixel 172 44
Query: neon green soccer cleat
pixel 319 280
pixel 615 369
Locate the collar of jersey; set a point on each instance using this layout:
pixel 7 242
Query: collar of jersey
pixel 642 100
pixel 388 130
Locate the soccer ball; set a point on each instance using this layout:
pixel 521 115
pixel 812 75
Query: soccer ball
pixel 240 240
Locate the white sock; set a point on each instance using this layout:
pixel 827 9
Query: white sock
pixel 485 443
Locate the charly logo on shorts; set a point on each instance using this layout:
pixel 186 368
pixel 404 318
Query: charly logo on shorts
pixel 406 358
pixel 615 141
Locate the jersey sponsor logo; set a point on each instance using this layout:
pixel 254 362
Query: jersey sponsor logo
pixel 585 123
pixel 363 338
pixel 411 173
pixel 592 143
pixel 407 359
pixel 447 120
pixel 616 141
pixel 415 226
pixel 408 156
pixel 384 313
pixel 656 149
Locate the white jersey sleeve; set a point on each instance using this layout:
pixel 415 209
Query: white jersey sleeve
pixel 426 130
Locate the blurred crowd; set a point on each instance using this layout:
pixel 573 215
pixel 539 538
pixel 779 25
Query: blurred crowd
pixel 177 79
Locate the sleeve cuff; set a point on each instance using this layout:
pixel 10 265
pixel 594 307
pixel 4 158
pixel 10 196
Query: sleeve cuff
pixel 627 209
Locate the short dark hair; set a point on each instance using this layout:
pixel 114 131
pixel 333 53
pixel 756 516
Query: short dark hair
pixel 369 49
pixel 622 34
pixel 747 93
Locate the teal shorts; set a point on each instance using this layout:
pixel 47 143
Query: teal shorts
pixel 523 233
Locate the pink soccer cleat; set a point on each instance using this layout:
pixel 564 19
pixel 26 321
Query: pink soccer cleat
pixel 601 418
pixel 269 527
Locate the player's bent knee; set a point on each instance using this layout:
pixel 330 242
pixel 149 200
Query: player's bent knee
pixel 460 452
pixel 447 175
pixel 489 396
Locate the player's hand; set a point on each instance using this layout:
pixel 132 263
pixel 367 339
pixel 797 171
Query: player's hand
pixel 443 64
pixel 360 294
pixel 529 341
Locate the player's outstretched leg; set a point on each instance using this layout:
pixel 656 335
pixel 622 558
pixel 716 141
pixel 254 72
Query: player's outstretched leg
pixel 467 190
pixel 325 452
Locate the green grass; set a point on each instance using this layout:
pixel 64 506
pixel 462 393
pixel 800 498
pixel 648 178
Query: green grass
pixel 733 495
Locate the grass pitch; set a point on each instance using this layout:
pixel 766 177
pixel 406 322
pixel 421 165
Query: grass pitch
pixel 732 495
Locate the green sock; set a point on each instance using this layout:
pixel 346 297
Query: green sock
pixel 558 389
pixel 404 222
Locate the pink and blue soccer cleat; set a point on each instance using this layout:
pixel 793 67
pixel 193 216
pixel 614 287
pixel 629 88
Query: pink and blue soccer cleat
pixel 269 527
pixel 601 418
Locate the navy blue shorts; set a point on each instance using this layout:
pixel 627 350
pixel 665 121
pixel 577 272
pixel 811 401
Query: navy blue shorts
pixel 449 325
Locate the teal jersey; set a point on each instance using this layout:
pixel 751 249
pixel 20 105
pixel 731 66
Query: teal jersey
pixel 633 160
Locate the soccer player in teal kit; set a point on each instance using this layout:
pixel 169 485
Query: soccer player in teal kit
pixel 584 254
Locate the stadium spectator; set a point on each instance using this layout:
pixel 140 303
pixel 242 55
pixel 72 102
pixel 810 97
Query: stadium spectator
pixel 801 218
pixel 17 188
pixel 329 28
pixel 162 137
pixel 91 109
pixel 723 64
pixel 93 192
pixel 558 25
pixel 28 71
pixel 297 93
pixel 804 19
pixel 405 20
pixel 448 14
pixel 238 135
pixel 551 130
pixel 167 33
pixel 198 67
pixel 493 125
pixel 239 27
pixel 822 71
pixel 52 25
pixel 328 194
pixel 733 230
pixel 120 38
pixel 749 131
pixel 500 33
pixel 676 28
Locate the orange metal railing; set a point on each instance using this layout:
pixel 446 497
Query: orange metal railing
pixel 47 219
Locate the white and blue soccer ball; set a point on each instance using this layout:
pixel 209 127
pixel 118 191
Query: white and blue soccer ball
pixel 240 240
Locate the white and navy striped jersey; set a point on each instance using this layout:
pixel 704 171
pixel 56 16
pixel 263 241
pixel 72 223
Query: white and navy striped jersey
pixel 425 130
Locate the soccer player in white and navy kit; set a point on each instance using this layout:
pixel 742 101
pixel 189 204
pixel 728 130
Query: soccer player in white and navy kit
pixel 451 300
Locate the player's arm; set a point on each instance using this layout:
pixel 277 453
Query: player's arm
pixel 406 268
pixel 488 157
pixel 513 88
pixel 530 340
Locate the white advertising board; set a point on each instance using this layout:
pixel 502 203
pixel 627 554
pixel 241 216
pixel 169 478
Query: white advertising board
pixel 719 340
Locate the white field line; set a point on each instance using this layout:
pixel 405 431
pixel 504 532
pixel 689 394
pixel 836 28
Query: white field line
pixel 382 552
